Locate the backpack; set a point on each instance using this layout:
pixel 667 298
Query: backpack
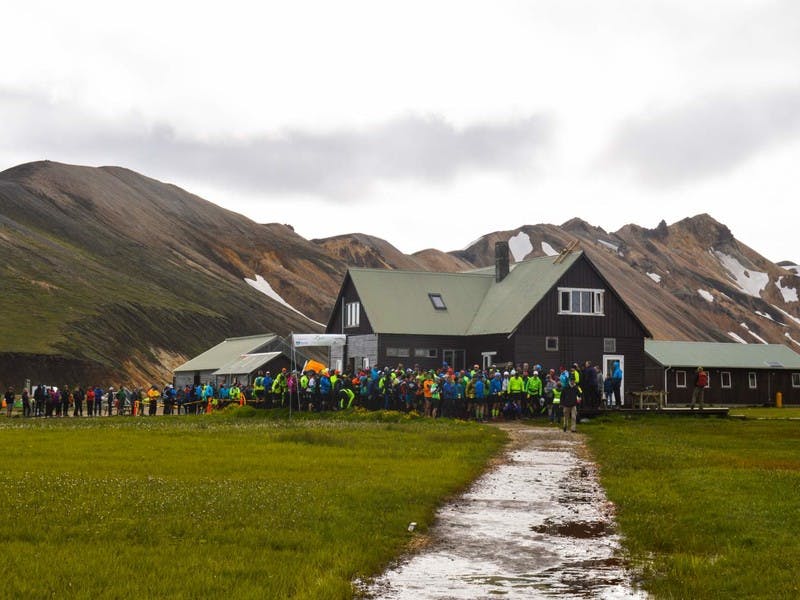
pixel 702 379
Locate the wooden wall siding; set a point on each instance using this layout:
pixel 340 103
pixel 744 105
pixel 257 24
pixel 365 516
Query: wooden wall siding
pixel 349 294
pixel 531 349
pixel 439 342
pixel 617 322
pixel 360 347
pixel 769 382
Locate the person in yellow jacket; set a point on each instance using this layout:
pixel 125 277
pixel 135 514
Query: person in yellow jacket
pixel 152 396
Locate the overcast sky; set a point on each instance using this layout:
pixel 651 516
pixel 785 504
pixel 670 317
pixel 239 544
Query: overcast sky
pixel 427 123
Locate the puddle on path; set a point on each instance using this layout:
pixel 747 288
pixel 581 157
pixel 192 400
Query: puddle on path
pixel 537 526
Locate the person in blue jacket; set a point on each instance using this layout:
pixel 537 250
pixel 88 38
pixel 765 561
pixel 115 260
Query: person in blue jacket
pixel 616 383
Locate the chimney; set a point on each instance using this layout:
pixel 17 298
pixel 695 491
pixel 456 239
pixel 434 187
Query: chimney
pixel 500 261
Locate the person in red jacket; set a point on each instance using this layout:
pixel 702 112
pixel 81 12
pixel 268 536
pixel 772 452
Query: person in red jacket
pixel 700 383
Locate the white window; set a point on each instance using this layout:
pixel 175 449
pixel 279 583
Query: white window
pixel 796 380
pixel 578 301
pixel 402 352
pixel 352 314
pixel 752 380
pixel 551 343
pixel 609 345
pixel 426 352
pixel 680 379
pixel 725 379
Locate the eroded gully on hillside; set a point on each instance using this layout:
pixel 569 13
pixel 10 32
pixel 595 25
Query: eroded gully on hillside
pixel 537 525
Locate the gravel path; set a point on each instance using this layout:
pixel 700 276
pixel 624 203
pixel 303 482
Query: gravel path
pixel 537 525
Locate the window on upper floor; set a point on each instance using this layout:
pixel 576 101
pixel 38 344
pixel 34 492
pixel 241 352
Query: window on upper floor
pixel 580 301
pixel 352 314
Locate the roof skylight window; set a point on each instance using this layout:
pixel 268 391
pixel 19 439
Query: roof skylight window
pixel 437 301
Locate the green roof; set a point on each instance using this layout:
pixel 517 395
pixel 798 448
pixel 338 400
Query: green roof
pixel 399 301
pixel 226 352
pixel 247 363
pixel 722 355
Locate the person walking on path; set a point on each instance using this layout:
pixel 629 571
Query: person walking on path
pixel 570 398
pixel 700 383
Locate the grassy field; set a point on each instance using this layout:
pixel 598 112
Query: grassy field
pixel 792 412
pixel 709 508
pixel 217 506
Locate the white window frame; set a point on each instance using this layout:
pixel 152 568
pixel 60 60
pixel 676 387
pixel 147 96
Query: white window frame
pixel 722 383
pixel 593 297
pixel 752 380
pixel 609 345
pixel 426 352
pixel 547 340
pixel 352 312
pixel 796 380
pixel 678 376
pixel 398 352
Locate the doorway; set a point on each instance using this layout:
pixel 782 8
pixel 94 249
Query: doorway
pixel 454 358
pixel 608 368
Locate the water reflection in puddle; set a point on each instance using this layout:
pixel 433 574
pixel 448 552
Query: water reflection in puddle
pixel 538 526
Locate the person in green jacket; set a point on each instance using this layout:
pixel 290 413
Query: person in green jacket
pixel 533 393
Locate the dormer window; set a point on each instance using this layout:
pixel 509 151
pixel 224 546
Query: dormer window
pixel 437 301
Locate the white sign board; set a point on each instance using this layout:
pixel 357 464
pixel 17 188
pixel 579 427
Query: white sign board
pixel 300 340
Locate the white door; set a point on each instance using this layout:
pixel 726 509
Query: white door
pixel 608 368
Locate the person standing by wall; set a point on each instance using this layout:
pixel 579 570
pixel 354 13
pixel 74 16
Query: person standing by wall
pixel 616 384
pixel 700 383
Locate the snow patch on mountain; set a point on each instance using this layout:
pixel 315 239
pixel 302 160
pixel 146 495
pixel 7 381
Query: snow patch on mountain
pixel 755 335
pixel 751 283
pixel 738 338
pixel 769 317
pixel 655 277
pixel 706 295
pixel 609 245
pixel 791 339
pixel 786 314
pixel 263 286
pixel 549 250
pixel 789 293
pixel 520 246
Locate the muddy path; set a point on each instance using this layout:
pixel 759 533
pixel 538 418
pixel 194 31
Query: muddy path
pixel 536 525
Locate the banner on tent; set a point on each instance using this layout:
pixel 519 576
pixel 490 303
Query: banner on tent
pixel 300 340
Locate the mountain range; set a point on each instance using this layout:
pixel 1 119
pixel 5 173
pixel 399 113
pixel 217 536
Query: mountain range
pixel 108 274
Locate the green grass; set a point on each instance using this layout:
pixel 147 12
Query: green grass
pixel 708 508
pixel 787 412
pixel 219 506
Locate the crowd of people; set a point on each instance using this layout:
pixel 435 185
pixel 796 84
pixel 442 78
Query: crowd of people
pixel 508 393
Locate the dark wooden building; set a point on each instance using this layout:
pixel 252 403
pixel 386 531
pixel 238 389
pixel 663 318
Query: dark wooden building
pixel 550 311
pixel 744 374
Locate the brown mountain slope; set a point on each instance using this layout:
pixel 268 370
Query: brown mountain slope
pixel 113 270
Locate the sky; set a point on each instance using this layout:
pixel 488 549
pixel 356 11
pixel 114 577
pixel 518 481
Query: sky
pixel 427 124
